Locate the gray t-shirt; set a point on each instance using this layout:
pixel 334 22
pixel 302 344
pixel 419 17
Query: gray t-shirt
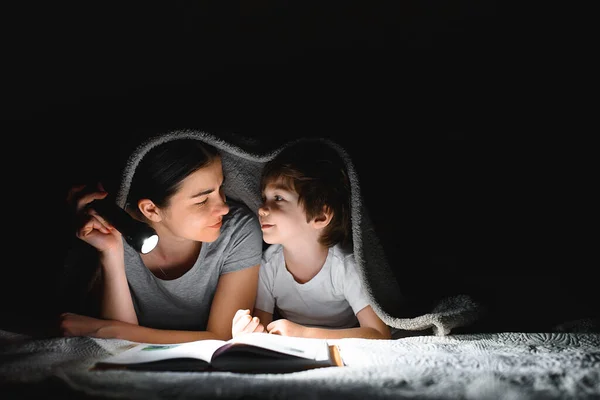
pixel 184 303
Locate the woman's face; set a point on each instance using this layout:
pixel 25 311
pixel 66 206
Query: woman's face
pixel 195 212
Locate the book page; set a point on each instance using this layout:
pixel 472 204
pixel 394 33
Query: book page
pixel 143 353
pixel 314 349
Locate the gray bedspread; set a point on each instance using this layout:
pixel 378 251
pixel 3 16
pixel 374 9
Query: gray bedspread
pixel 458 366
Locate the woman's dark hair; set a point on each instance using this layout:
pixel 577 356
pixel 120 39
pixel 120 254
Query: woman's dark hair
pixel 160 172
pixel 316 172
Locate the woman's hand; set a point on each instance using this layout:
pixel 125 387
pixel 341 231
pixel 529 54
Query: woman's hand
pixel 89 225
pixel 243 322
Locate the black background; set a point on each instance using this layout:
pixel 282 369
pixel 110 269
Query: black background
pixel 414 90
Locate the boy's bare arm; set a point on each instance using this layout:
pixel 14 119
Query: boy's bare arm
pixel 371 327
pixel 369 320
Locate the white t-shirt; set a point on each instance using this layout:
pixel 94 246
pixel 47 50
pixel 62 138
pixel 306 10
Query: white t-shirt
pixel 331 299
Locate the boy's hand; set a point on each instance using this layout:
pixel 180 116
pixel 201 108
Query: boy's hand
pixel 286 327
pixel 243 322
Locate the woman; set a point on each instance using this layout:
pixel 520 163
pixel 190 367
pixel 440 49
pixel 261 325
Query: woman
pixel 204 268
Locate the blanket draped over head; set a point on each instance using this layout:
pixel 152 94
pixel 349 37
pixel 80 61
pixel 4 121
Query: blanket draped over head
pixel 242 165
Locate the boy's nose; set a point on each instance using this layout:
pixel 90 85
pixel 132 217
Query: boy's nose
pixel 263 212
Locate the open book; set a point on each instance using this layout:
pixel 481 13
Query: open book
pixel 250 353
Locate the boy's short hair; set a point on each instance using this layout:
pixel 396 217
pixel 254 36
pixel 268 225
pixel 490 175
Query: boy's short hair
pixel 317 173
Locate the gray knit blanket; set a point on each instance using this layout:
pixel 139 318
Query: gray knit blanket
pixel 511 366
pixel 242 163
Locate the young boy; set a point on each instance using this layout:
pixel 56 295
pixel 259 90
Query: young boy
pixel 308 278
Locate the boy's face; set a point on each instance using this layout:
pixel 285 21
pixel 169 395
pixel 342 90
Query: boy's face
pixel 282 218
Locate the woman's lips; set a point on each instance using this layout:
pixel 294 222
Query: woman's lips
pixel 217 225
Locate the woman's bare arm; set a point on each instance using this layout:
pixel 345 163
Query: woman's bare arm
pixel 81 325
pixel 116 301
pixel 235 290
